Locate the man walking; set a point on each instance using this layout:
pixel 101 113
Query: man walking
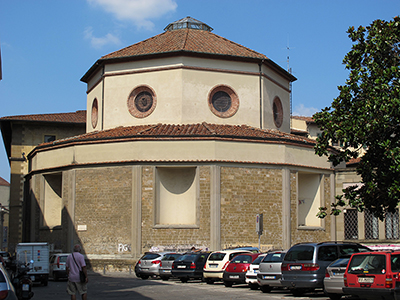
pixel 75 263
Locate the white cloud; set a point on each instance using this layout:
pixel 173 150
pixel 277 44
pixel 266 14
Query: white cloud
pixel 98 42
pixel 137 11
pixel 301 110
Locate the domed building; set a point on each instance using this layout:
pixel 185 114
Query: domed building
pixel 187 140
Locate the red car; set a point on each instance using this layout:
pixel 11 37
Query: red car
pixel 373 275
pixel 235 271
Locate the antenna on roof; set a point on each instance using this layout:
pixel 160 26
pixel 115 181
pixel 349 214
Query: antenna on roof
pixel 289 69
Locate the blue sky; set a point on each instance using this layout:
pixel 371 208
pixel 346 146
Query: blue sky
pixel 47 45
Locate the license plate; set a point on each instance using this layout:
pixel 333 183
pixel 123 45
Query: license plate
pixel 167 271
pixel 181 267
pixel 213 266
pixel 294 268
pixel 25 287
pixel 33 278
pixel 234 276
pixel 256 271
pixel 337 273
pixel 366 279
pixel 269 277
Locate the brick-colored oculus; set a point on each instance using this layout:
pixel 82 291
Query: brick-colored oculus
pixel 223 101
pixel 142 101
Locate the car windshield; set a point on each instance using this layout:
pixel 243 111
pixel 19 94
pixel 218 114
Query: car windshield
pixel 217 256
pixel 367 264
pixel 340 263
pixel 150 256
pixel 258 260
pixel 274 257
pixel 301 252
pixel 187 257
pixel 242 259
pixel 63 258
pixel 395 262
pixel 171 256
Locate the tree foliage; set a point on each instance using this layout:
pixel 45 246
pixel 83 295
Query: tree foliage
pixel 367 114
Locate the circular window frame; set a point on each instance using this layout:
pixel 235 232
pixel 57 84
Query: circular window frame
pixel 94 114
pixel 278 114
pixel 234 101
pixel 131 101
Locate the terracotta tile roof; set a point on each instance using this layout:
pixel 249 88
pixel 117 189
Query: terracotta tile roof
pixel 353 161
pixel 74 117
pixel 306 119
pixel 186 40
pixel 184 132
pixel 4 182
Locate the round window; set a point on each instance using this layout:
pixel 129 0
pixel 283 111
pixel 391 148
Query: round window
pixel 95 113
pixel 278 112
pixel 142 101
pixel 223 101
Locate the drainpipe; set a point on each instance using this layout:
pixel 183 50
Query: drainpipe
pixel 261 100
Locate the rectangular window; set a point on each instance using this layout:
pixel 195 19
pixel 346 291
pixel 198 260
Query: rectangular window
pixel 176 196
pixel 392 225
pixel 49 138
pixel 371 226
pixel 351 224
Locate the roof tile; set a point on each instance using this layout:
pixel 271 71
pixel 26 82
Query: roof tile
pixel 74 117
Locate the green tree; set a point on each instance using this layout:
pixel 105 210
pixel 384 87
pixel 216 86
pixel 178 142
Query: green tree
pixel 367 114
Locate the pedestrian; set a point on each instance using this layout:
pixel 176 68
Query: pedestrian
pixel 76 263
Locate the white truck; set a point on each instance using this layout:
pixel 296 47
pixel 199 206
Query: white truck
pixel 39 254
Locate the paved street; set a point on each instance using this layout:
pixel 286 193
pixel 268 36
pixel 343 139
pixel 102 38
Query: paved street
pixel 124 286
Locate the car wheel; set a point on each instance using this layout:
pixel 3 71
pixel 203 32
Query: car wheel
pixel 165 278
pixel 55 277
pixel 184 280
pixel 45 281
pixel 228 283
pixel 265 288
pixel 254 286
pixel 334 296
pixel 144 277
pixel 298 292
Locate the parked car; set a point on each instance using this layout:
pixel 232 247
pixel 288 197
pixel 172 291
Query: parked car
pixel 190 266
pixel 7 291
pixel 166 265
pixel 269 273
pixel 333 281
pixel 57 266
pixel 149 264
pixel 303 267
pixel 373 275
pixel 217 262
pixel 235 271
pixel 251 274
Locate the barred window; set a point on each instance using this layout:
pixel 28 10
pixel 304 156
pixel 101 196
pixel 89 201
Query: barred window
pixel 371 226
pixel 392 225
pixel 351 224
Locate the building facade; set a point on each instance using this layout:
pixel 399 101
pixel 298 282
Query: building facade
pixel 187 140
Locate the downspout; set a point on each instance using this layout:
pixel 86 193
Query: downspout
pixel 261 99
pixel 102 99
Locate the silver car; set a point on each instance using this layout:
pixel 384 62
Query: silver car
pixel 166 265
pixel 149 264
pixel 269 271
pixel 333 281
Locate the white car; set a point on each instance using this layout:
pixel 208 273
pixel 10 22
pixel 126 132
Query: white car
pixel 216 263
pixel 57 266
pixel 251 274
